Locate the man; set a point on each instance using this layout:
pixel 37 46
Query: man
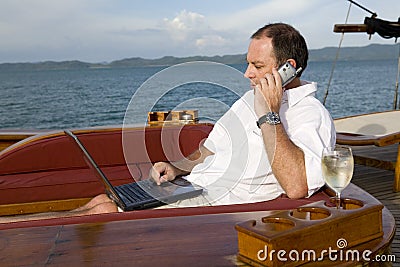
pixel 293 140
pixel 269 143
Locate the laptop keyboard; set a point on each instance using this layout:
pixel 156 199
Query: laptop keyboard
pixel 133 192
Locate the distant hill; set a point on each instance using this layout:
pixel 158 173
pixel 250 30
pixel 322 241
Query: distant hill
pixel 169 60
pixel 370 52
pixel 46 65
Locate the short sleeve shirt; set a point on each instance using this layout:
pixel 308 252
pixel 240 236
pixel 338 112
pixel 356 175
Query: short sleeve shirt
pixel 239 170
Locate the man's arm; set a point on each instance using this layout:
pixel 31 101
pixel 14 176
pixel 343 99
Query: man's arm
pixel 164 171
pixel 287 160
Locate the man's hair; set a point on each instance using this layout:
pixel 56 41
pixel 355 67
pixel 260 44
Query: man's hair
pixel 287 43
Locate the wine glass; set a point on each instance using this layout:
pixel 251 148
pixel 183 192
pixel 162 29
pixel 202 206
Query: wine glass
pixel 337 168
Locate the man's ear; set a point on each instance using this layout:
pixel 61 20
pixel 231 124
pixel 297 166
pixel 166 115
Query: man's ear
pixel 293 62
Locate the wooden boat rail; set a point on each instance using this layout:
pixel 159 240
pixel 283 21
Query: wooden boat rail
pixel 9 137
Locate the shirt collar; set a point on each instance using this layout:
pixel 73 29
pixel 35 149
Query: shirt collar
pixel 295 95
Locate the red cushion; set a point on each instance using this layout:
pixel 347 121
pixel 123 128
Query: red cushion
pixel 50 167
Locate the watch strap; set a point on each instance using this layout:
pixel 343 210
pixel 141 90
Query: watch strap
pixel 261 120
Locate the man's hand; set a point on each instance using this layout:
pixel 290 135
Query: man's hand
pixel 268 94
pixel 163 172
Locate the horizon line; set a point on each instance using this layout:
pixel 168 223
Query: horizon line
pixel 176 57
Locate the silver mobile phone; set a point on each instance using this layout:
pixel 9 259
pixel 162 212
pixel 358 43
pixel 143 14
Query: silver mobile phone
pixel 288 73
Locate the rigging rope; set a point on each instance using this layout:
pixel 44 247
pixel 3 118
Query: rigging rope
pixel 337 56
pixel 364 8
pixel 396 94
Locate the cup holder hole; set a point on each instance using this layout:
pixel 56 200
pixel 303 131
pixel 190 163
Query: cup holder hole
pixel 346 203
pixel 277 224
pixel 310 213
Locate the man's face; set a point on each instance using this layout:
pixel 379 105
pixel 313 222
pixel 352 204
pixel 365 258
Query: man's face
pixel 260 60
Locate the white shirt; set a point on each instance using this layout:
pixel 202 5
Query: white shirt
pixel 239 170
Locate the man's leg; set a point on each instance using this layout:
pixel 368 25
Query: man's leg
pixel 199 201
pixel 97 205
pixel 99 199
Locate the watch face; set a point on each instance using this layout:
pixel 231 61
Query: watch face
pixel 273 118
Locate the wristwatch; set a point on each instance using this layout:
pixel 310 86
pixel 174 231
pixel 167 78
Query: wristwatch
pixel 272 118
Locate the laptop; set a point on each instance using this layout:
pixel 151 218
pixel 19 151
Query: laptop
pixel 142 194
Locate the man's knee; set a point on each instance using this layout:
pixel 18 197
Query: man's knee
pixel 107 207
pixel 99 199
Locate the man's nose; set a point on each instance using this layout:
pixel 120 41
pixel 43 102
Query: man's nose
pixel 249 74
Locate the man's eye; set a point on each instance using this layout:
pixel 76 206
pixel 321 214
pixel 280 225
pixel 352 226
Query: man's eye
pixel 258 67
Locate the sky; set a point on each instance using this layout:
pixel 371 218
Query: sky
pixel 105 30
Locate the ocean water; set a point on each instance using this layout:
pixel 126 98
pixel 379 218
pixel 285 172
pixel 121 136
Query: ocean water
pixel 56 99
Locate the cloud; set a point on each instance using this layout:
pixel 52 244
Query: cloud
pixel 191 31
pixel 185 24
pixel 210 41
pixel 185 21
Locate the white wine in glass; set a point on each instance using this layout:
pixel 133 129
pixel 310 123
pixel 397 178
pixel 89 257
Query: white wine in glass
pixel 337 168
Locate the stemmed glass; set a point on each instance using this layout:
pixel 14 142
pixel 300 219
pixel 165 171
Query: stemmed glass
pixel 337 168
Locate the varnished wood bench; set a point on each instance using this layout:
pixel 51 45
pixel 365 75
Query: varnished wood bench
pixel 371 136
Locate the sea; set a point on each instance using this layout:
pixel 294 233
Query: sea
pixel 81 98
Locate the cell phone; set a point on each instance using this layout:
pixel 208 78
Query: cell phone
pixel 288 73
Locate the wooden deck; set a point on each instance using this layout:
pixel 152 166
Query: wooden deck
pixel 379 183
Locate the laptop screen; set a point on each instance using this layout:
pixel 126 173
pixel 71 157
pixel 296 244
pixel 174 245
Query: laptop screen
pixel 110 191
